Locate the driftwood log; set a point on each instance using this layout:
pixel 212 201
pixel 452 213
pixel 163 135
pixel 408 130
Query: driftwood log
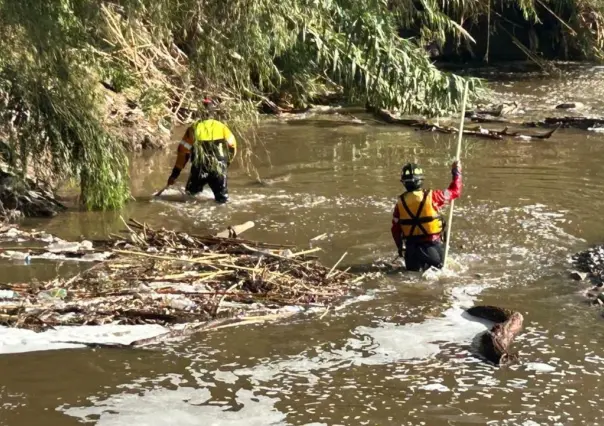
pixel 583 123
pixel 495 343
pixel 477 131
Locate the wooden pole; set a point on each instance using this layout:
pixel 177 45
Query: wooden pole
pixel 457 154
pixel 158 194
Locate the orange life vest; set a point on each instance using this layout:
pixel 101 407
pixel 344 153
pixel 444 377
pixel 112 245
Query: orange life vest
pixel 417 215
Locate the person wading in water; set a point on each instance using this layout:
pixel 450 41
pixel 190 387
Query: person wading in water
pixel 416 219
pixel 211 147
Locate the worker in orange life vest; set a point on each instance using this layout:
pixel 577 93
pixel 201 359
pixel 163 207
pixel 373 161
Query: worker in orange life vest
pixel 211 147
pixel 416 219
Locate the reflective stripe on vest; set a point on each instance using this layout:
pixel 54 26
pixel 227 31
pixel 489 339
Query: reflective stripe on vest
pixel 417 215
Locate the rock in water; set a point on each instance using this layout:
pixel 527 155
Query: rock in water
pixel 591 262
pixel 570 105
pixel 578 276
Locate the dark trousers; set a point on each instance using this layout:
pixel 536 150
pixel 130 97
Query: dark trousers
pixel 217 180
pixel 420 256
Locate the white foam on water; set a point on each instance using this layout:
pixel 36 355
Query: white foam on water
pixel 15 340
pixel 436 387
pixel 388 343
pixel 539 367
pixel 424 340
pixel 183 406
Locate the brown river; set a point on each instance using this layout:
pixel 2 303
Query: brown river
pixel 400 355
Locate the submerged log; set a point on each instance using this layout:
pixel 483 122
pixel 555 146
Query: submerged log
pixel 495 343
pixel 477 131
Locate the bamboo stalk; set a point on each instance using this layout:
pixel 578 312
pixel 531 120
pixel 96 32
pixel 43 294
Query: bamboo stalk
pixel 336 265
pixel 457 154
pixel 305 252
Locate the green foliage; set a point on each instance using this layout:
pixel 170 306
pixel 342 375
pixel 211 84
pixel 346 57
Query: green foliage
pixel 169 54
pixel 52 117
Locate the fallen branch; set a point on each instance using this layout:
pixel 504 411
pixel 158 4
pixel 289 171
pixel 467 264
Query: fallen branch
pixel 495 343
pixel 478 132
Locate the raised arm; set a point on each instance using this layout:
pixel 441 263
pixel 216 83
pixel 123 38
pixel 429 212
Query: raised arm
pixel 440 198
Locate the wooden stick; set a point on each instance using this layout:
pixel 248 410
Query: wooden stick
pixel 161 191
pixel 223 296
pixel 336 265
pixel 457 154
pixel 302 253
pixel 237 229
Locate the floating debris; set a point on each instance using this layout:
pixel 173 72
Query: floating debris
pixel 590 265
pixel 578 276
pixel 592 262
pixel 165 277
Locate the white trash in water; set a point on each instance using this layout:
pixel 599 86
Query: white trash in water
pixel 8 294
pixel 15 255
pixel 86 245
pixel 63 246
pixel 179 302
pixel 12 233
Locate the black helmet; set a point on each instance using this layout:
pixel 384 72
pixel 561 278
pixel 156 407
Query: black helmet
pixel 412 176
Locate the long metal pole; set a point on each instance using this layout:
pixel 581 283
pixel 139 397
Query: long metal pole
pixel 457 154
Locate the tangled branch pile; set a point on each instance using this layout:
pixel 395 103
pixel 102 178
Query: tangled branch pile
pixel 166 277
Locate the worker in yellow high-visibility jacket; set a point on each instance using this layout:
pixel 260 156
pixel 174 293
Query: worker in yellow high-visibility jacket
pixel 211 147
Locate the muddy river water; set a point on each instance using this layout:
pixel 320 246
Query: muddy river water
pixel 401 355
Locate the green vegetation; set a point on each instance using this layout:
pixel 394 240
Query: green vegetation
pixel 165 55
